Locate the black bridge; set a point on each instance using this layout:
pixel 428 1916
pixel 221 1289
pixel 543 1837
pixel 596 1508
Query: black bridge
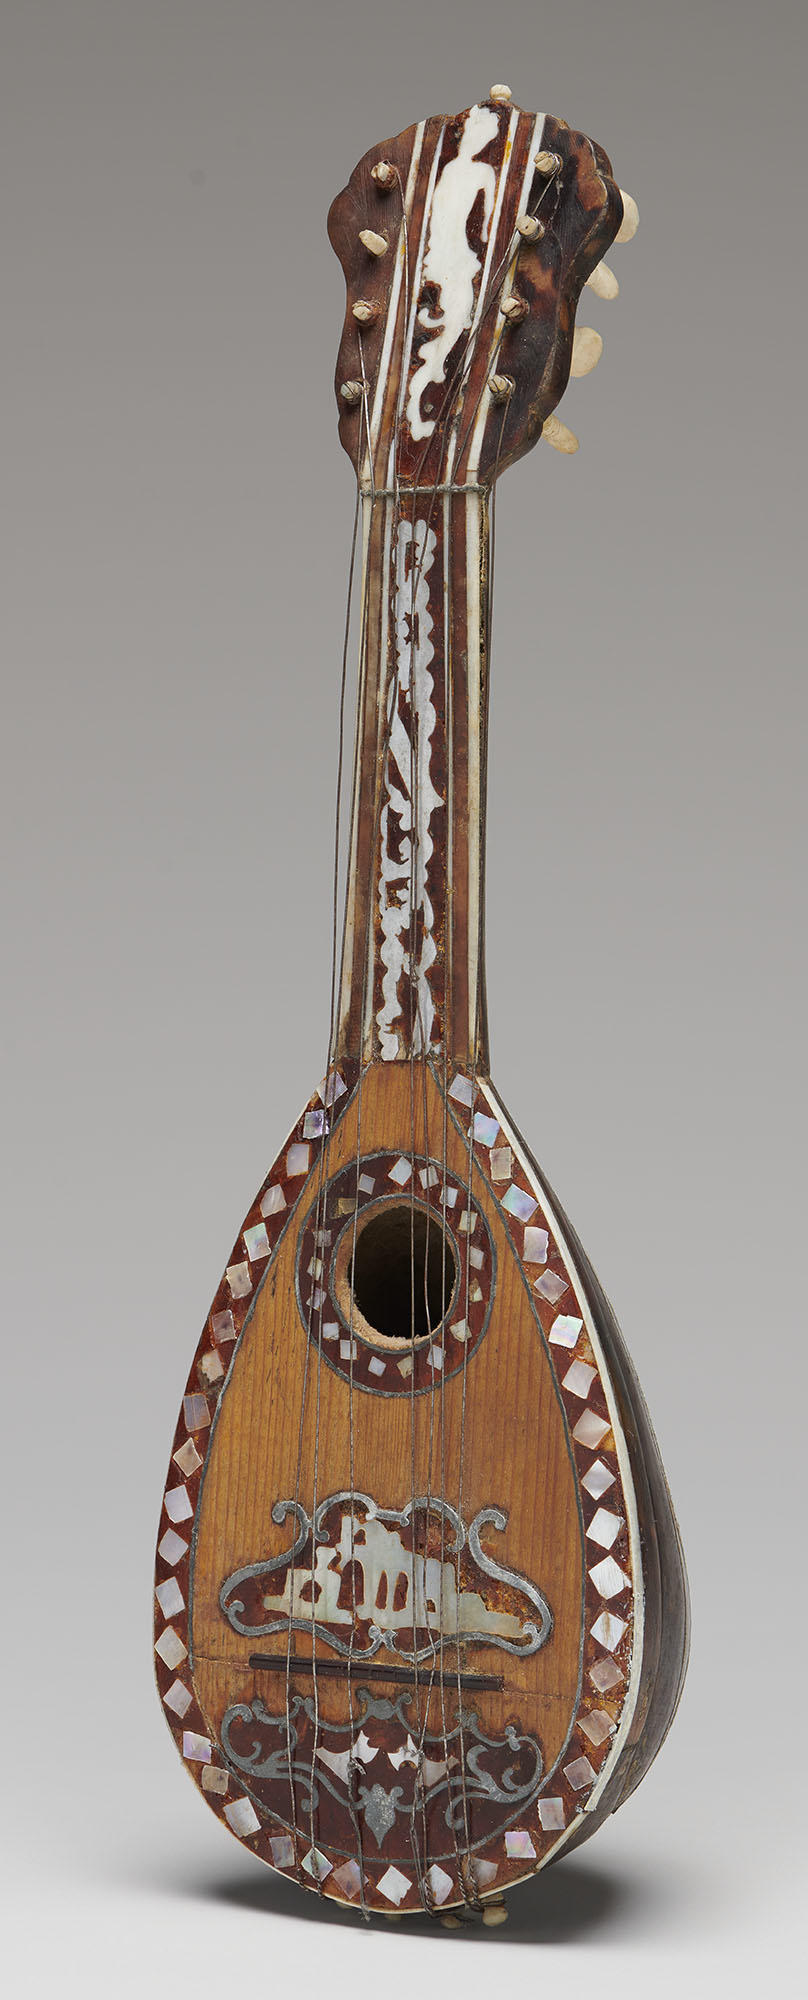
pixel 371 1670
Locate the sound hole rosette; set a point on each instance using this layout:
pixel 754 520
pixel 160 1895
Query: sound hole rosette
pixel 355 1201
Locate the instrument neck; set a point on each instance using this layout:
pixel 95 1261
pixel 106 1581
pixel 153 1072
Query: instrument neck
pixel 413 978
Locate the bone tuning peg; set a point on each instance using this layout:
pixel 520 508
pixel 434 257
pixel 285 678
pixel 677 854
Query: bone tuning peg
pixel 557 434
pixel 530 227
pixel 603 282
pixel 513 308
pixel 631 218
pixel 351 393
pixel 500 388
pixel 375 244
pixel 547 163
pixel 587 348
pixel 500 93
pixel 493 1914
pixel 384 174
pixel 364 311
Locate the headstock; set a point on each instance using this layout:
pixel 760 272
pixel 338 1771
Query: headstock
pixel 465 244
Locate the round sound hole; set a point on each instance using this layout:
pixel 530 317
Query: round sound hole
pixel 402 1274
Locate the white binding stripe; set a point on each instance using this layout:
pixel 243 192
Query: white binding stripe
pixel 473 530
pixel 395 293
pixel 415 285
pixel 489 255
pixel 485 399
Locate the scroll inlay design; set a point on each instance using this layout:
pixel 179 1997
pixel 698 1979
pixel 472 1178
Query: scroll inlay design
pixel 409 799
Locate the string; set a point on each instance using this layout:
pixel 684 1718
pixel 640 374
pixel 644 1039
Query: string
pixel 328 1102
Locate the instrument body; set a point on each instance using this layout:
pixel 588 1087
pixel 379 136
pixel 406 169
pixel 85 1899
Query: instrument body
pixel 422 1611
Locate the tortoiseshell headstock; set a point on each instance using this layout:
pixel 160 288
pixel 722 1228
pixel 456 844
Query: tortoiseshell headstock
pixel 465 243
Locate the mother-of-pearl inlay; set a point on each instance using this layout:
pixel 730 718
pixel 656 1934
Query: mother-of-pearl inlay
pixel 409 795
pixel 449 262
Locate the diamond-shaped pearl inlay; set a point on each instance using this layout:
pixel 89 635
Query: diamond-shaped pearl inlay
pixel 590 1430
pixel 604 1527
pixel 317 1864
pixel 393 1885
pixel 486 1130
pixel 376 1366
pixel 179 1698
pixel 537 1245
pixel 187 1458
pixel 462 1092
pixel 598 1479
pixel 170 1647
pixel 348 1879
pixel 177 1504
pixel 170 1597
pixel 211 1366
pixel 214 1780
pixel 282 1849
pixel 566 1330
pixel 401 1172
pixel 519 1203
pixel 366 1184
pixel 551 1287
pixel 332 1087
pixel 609 1578
pixel 579 1773
pixel 579 1379
pixel 195 1748
pixel 273 1201
pixel 171 1547
pixel 605 1675
pixel 596 1726
pixel 196 1412
pixel 460 1329
pixel 552 1818
pixel 315 1125
pixel 242 1817
pixel 239 1280
pixel 501 1163
pixel 484 1872
pixel 297 1160
pixel 608 1629
pixel 256 1241
pixel 440 1883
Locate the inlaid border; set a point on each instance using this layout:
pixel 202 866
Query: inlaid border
pixel 613 1587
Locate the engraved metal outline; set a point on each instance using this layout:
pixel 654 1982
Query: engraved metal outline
pixel 536 1635
pixel 380 1807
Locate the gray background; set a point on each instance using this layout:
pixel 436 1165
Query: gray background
pixel 175 530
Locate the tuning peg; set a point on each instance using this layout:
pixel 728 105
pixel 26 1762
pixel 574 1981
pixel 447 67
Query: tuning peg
pixel 557 434
pixel 547 163
pixel 631 218
pixel 500 93
pixel 375 244
pixel 530 227
pixel 365 311
pixel 513 308
pixel 500 387
pixel 603 282
pixel 384 174
pixel 587 348
pixel 351 393
pixel 494 1914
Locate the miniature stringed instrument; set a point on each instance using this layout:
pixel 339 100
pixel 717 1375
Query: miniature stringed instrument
pixel 421 1604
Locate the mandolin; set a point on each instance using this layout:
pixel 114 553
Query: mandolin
pixel 421 1603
